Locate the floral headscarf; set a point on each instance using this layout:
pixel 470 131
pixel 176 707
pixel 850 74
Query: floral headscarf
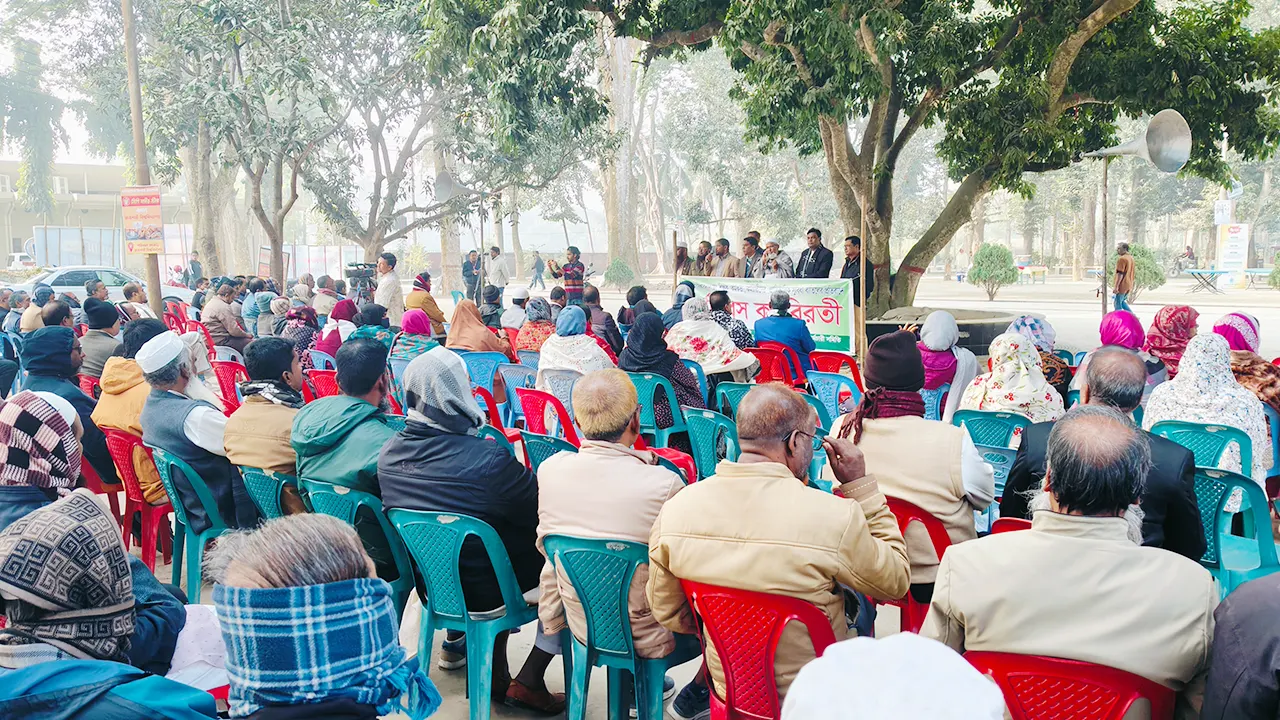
pixel 1015 383
pixel 702 340
pixel 1170 332
pixel 1038 331
pixel 1240 330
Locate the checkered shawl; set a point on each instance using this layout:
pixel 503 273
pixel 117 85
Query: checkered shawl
pixel 37 446
pixel 292 646
pixel 68 568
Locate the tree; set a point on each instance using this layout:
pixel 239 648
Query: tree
pixel 992 269
pixel 31 119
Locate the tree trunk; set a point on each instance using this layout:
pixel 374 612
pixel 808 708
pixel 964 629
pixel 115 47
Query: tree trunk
pixel 1264 196
pixel 617 82
pixel 515 231
pixel 978 227
pixel 497 225
pixel 1089 227
pixel 841 189
pixel 586 220
pixel 565 226
pixel 203 209
pixel 960 208
pixel 450 245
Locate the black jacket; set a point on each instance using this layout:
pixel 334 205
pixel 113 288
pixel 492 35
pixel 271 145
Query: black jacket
pixel 425 469
pixel 1244 672
pixel 335 709
pixel 1171 515
pixel 604 327
pixel 852 271
pixel 815 263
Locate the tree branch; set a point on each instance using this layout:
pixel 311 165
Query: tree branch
pixel 1064 57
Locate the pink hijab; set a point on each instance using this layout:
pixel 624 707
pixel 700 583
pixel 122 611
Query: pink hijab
pixel 1122 328
pixel 416 322
pixel 1240 331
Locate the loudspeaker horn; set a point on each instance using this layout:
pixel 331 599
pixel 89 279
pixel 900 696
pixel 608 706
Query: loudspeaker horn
pixel 1166 143
pixel 446 187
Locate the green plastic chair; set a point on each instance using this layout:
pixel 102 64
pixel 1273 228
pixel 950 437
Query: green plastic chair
pixel 344 503
pixel 265 488
pixel 457 296
pixel 396 422
pixel 434 541
pixel 1232 559
pixel 729 394
pixel 993 429
pixel 698 373
pixel 648 385
pixel 706 427
pixel 1066 356
pixel 489 432
pixel 1073 398
pixel 538 448
pixel 819 459
pixel 601 572
pixel 165 464
pixel 1208 442
pixel 828 386
pixel 824 417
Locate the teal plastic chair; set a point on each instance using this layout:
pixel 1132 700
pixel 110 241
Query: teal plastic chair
pixel 489 432
pixel 819 459
pixel 434 541
pixel 344 503
pixel 482 366
pixel 1208 442
pixel 824 416
pixel 528 358
pixel 827 387
pixel 648 385
pixel 1001 461
pixel 697 371
pixel 934 401
pixel 1232 559
pixel 1073 398
pixel 729 394
pixel 165 464
pixel 1273 423
pixel 1066 356
pixel 396 422
pixel 540 447
pixel 601 572
pixel 265 488
pixel 994 429
pixel 706 428
pixel 457 296
pixel 1080 356
pixel 322 361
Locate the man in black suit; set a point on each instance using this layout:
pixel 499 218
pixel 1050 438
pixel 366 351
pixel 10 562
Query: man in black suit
pixel 1171 516
pixel 815 262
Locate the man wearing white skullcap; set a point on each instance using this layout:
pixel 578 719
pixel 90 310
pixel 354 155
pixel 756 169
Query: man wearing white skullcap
pixel 513 317
pixel 192 430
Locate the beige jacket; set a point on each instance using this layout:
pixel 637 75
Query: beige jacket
pixel 728 266
pixel 606 491
pixel 258 435
pixel 222 321
pixel 754 526
pixel 1077 588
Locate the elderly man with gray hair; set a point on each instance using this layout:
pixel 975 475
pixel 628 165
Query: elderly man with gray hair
pixel 783 328
pixel 1076 585
pixel 191 430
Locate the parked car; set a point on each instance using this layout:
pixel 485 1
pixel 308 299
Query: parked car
pixel 21 261
pixel 71 278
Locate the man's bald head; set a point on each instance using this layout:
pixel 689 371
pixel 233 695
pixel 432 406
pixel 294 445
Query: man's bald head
pixel 772 412
pixel 604 403
pixel 1097 462
pixel 1115 377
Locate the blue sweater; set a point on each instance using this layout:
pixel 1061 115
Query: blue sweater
pixel 789 331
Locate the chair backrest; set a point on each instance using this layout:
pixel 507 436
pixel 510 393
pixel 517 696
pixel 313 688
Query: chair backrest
pixel 434 541
pixel 323 360
pixel 827 387
pixel 513 335
pixel 178 309
pixel 1073 398
pixel 457 296
pixel 1009 524
pixel 487 405
pixel 535 404
pixel 227 354
pixel 1066 356
pixel 1001 461
pixel 698 373
pixel 1080 356
pixel 516 376
pixel 397 366
pixel 773 366
pixel 539 447
pixel 174 323
pixel 560 383
pixel 832 361
pixel 907 513
pixel 824 416
pixel 121 446
pixel 265 488
pixel 1273 425
pixel 528 358
pixel 680 463
pixel 489 432
pixel 792 358
pixel 648 385
pixel 729 394
pixel 230 375
pixel 344 503
pixel 935 400
pixel 1213 489
pixel 600 572
pixel 1045 688
pixel 994 429
pixel 325 382
pixel 1208 442
pixel 745 628
pixel 166 463
pixel 204 332
pixel 482 366
pixel 11 345
pixel 706 428
pixel 90 385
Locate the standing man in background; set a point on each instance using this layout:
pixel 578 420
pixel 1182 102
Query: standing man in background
pixel 1123 283
pixel 471 276
pixel 498 275
pixel 852 270
pixel 194 272
pixel 702 264
pixel 815 261
pixel 389 293
pixel 573 272
pixel 539 266
pixel 752 258
pixel 326 297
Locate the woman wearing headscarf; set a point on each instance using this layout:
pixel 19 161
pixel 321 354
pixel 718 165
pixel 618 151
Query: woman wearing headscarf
pixel 263 300
pixel 338 328
pixel 422 299
pixel 684 291
pixel 647 352
pixel 468 332
pixel 301 295
pixel 1260 377
pixel 301 328
pixel 1205 391
pixel 279 312
pixel 1123 329
pixel 945 362
pixel 1015 384
pixel 537 327
pixel 40 459
pixel 699 338
pixel 1172 329
pixel 414 338
pixel 571 348
pixel 372 324
pixel 1042 335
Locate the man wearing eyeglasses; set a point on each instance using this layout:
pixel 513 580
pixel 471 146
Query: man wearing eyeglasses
pixel 757 525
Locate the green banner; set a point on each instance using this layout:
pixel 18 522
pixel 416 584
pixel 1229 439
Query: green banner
pixel 826 306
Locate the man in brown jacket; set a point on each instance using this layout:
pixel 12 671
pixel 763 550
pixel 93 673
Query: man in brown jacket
pixel 223 321
pixel 259 431
pixel 756 525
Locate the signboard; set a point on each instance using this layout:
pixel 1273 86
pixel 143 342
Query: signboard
pixel 1233 254
pixel 826 306
pixel 1222 212
pixel 143 230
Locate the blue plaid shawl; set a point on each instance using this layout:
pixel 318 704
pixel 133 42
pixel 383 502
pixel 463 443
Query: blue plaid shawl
pixel 291 646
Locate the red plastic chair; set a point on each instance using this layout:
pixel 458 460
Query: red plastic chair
pixel 93 481
pixel 534 403
pixel 913 612
pixel 178 310
pixel 682 460
pixel 208 339
pixel 81 329
pixel 512 335
pixel 308 395
pixel 490 408
pixel 793 361
pixel 832 361
pixel 229 374
pixel 396 407
pixel 174 323
pixel 90 386
pixel 123 447
pixel 744 627
pixel 773 366
pixel 1004 525
pixel 325 382
pixel 1045 688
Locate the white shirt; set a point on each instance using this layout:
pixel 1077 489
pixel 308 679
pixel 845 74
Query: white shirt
pixel 497 275
pixel 206 428
pixel 976 475
pixel 390 295
pixel 513 317
pixel 143 310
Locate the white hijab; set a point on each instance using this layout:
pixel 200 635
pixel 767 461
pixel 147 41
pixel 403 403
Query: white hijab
pixel 940 332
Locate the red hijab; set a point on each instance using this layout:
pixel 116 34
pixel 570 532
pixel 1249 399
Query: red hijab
pixel 1170 332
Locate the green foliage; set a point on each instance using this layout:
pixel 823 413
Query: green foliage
pixel 1148 274
pixel 992 269
pixel 1274 278
pixel 619 275
pixel 31 116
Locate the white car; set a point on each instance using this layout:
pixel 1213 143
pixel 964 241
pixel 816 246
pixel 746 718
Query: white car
pixel 71 278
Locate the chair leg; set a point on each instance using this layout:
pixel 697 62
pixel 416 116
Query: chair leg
pixel 195 575
pixel 577 684
pixel 480 639
pixel 617 695
pixel 126 524
pixel 115 505
pixel 426 635
pixel 653 673
pixel 166 537
pixel 149 542
pixel 179 540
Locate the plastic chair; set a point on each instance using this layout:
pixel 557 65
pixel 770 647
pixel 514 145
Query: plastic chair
pixel 793 361
pixel 174 323
pixel 1008 524
pixel 528 358
pixel 1208 442
pixel 993 429
pixel 935 401
pixel 123 446
pixel 1073 398
pixel 1080 356
pixel 913 612
pixel 397 366
pixel 1001 461
pixel 265 489
pixel 832 361
pixel 490 409
pixel 538 447
pixel 648 385
pixel 828 386
pixel 226 354
pixel 536 403
pixel 499 435
pixel 1232 559
pixel 177 309
pixel 323 360
pixel 560 384
pixel 698 372
pixel 706 427
pixel 1066 356
pixel 1045 688
pixel 729 394
pixel 824 416
pixel 434 541
pixel 601 572
pixel 512 336
pixel 482 366
pixel 90 385
pixel 773 366
pixel 344 503
pixel 93 481
pixel 1273 425
pixel 515 376
pixel 680 463
pixel 457 296
pixel 230 375
pixel 325 382
pixel 166 463
pixel 745 627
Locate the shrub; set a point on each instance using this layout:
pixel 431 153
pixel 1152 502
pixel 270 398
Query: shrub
pixel 619 275
pixel 1274 278
pixel 1148 274
pixel 992 269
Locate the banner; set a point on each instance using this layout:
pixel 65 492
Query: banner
pixel 1233 255
pixel 143 230
pixel 826 306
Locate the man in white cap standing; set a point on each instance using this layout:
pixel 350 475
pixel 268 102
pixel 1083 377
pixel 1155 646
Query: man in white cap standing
pixel 192 430
pixel 513 317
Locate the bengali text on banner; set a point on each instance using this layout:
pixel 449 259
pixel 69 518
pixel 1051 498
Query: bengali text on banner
pixel 826 306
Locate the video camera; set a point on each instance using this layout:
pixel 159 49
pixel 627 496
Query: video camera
pixel 361 281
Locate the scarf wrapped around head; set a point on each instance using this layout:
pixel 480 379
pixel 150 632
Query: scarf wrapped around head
pixel 1240 330
pixel 1172 329
pixel 438 393
pixel 571 321
pixel 68 569
pixel 280 306
pixel 303 316
pixel 302 293
pixel 1123 328
pixel 537 310
pixel 696 309
pixel 300 645
pixel 422 281
pixel 646 350
pixel 1016 382
pixel 1038 331
pixel 38 447
pixel 415 322
pixel 263 300
pixel 894 375
pixel 644 306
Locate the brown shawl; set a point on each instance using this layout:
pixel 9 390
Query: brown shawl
pixel 468 332
pixel 1258 376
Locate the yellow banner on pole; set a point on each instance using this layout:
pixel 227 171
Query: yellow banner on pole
pixel 143 228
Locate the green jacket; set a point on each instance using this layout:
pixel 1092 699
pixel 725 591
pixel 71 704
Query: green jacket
pixel 337 440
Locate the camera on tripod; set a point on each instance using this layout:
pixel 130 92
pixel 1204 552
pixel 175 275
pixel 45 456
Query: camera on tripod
pixel 361 280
